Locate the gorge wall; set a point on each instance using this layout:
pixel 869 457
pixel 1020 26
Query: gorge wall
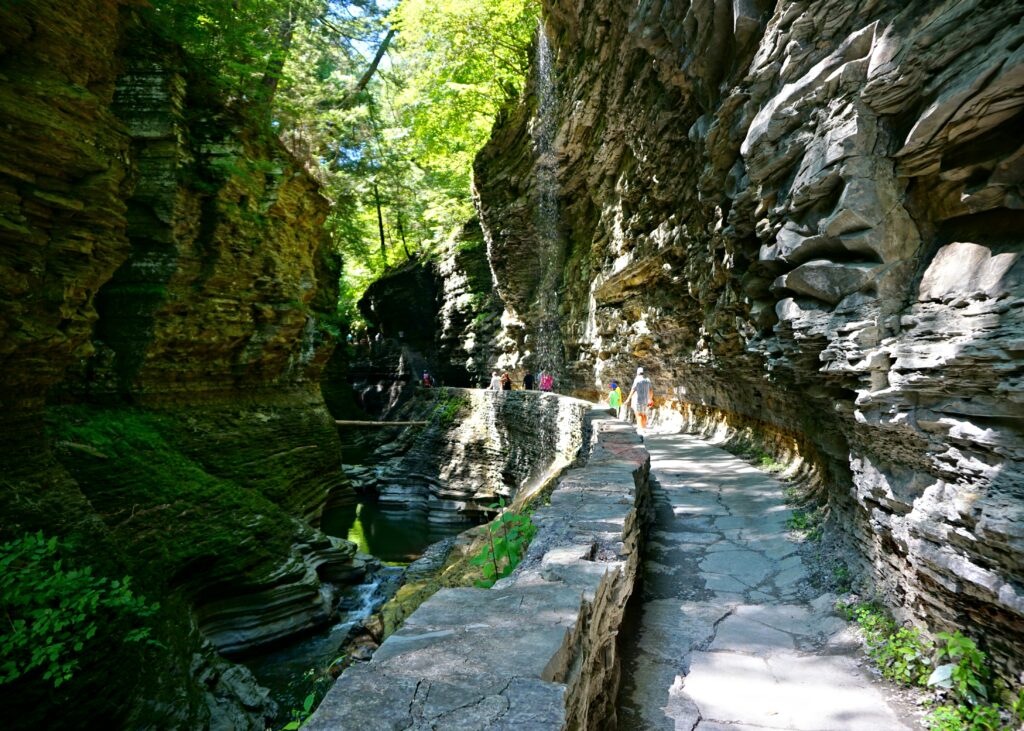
pixel 805 215
pixel 442 309
pixel 476 447
pixel 166 284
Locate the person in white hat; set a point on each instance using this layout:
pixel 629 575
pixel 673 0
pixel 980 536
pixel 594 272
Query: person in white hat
pixel 641 394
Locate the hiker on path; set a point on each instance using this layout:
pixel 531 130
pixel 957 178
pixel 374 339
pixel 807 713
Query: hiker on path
pixel 614 398
pixel 495 382
pixel 547 381
pixel 528 382
pixel 506 381
pixel 641 396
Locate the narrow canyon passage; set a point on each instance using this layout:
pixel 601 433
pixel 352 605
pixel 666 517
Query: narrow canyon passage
pixel 730 633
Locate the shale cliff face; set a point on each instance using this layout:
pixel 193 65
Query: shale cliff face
pixel 478 446
pixel 165 281
pixel 805 216
pixel 442 310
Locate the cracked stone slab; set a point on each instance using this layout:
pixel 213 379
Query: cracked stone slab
pixel 746 567
pixel 746 635
pixel 671 627
pixel 757 657
pixel 791 577
pixel 788 690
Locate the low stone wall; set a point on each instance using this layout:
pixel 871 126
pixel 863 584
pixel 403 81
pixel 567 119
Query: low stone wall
pixel 536 651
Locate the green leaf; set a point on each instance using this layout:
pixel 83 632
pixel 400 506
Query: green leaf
pixel 942 676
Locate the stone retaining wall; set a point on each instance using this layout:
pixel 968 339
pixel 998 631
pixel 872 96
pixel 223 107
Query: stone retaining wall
pixel 536 651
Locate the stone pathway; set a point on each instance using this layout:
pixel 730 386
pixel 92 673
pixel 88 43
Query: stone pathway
pixel 728 637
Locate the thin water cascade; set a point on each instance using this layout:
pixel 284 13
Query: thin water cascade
pixel 395 538
pixel 291 670
pixel 547 351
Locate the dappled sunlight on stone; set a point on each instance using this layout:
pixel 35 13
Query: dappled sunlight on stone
pixel 749 653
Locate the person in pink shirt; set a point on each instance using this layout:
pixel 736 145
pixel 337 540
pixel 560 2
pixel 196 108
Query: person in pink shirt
pixel 547 381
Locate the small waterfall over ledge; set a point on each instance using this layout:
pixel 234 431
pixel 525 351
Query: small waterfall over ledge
pixel 546 352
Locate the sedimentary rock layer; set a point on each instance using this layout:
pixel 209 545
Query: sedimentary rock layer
pixel 165 280
pixel 803 214
pixel 478 447
pixel 442 310
pixel 536 651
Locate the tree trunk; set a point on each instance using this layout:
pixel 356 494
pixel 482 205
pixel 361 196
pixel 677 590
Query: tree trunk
pixel 401 235
pixel 380 225
pixel 381 50
pixel 350 98
pixel 275 67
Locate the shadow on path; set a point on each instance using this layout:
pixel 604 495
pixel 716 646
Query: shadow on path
pixel 728 633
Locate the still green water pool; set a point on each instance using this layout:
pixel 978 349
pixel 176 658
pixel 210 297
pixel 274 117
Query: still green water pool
pixel 395 537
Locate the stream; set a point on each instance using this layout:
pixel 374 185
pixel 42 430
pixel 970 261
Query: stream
pixel 396 538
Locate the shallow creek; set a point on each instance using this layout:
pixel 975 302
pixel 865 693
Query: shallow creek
pixel 396 538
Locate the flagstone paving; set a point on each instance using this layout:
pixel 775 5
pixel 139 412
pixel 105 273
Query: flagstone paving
pixel 730 635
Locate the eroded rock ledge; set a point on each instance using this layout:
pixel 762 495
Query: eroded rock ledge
pixel 806 214
pixel 537 650
pixel 500 444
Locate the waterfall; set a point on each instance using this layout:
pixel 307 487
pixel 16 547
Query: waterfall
pixel 547 350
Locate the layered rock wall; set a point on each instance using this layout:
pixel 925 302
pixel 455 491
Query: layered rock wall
pixel 806 215
pixel 538 650
pixel 442 311
pixel 481 446
pixel 165 278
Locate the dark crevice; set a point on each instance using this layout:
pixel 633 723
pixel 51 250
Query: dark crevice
pixel 995 144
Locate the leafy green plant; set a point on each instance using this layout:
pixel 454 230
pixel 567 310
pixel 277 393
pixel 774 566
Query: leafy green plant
pixel 965 718
pixel 53 611
pixel 799 520
pixel 808 523
pixel 965 673
pixel 904 656
pixel 507 538
pixel 770 464
pixel 843 579
pixel 899 652
pixel 481 319
pixel 1017 706
pixel 300 715
pixel 448 408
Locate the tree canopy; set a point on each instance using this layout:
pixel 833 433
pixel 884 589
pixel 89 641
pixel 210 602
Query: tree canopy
pixel 386 104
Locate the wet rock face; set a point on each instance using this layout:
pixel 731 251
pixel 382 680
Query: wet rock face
pixel 806 214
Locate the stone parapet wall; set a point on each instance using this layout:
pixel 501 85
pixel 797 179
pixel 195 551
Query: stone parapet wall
pixel 536 651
